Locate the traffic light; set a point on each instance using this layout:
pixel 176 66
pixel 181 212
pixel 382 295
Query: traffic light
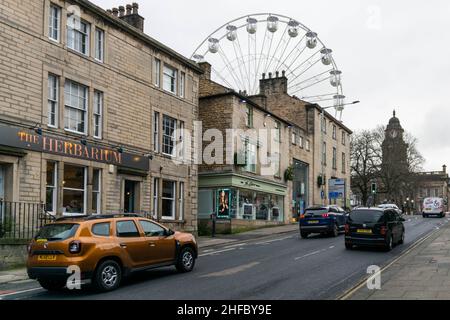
pixel 373 188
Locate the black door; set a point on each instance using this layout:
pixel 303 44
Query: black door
pixel 130 197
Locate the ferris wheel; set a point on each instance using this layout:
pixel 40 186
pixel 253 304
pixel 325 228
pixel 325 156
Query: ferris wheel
pixel 246 49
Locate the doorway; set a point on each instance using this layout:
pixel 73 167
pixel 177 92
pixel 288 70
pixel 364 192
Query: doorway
pixel 130 197
pixel 300 183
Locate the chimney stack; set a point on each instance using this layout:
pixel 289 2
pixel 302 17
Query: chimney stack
pixel 273 85
pixel 444 168
pixel 130 14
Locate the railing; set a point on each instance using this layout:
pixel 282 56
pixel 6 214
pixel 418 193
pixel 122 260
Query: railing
pixel 21 220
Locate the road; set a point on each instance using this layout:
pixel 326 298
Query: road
pixel 277 267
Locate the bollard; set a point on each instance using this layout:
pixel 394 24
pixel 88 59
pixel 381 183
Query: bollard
pixel 213 218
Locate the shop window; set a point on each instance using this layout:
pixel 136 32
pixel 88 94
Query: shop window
pixel 168 200
pixel 51 190
pixel 169 125
pixel 155 198
pixel 181 201
pixel 74 190
pixel 76 105
pixel 96 192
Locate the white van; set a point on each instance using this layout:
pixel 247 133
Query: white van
pixel 433 207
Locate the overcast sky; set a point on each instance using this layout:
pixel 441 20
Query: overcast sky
pixel 393 54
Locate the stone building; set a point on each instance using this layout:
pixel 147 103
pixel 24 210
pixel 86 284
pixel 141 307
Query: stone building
pixel 327 139
pixel 92 112
pixel 301 142
pixel 431 184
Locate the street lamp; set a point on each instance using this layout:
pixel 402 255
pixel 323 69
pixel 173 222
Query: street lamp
pixel 322 118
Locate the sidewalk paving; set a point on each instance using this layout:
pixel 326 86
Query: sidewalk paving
pixel 422 274
pixel 204 242
pixel 17 275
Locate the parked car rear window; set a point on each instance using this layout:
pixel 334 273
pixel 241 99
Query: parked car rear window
pixel 365 216
pixel 101 229
pixel 57 232
pixel 127 229
pixel 316 211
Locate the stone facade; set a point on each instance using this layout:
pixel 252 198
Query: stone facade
pixel 431 184
pixel 134 103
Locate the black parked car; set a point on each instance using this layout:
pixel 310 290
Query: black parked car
pixel 322 219
pixel 382 227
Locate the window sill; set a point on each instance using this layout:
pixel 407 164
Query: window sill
pixel 171 221
pixel 76 132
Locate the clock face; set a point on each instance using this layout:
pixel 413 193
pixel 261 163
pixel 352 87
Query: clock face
pixel 394 133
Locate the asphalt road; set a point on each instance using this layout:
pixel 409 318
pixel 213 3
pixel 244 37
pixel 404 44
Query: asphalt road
pixel 278 267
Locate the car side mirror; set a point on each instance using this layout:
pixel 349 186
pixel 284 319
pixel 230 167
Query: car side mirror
pixel 168 232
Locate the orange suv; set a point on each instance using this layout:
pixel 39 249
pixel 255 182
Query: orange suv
pixel 105 248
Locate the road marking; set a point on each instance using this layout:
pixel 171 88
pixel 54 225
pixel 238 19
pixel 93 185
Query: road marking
pixel 361 284
pixel 274 240
pixel 331 247
pixel 215 252
pixel 231 271
pixel 310 254
pixel 235 245
pixel 18 292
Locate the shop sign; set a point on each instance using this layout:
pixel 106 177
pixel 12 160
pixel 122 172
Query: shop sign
pixel 29 140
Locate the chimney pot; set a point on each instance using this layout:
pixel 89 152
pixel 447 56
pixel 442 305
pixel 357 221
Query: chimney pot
pixel 121 11
pixel 444 168
pixel 270 75
pixel 109 11
pixel 135 7
pixel 128 9
pixel 277 74
pixel 283 73
pixel 115 12
pixel 263 75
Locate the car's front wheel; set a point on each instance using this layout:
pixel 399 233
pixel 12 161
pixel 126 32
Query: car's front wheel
pixel 389 243
pixel 402 239
pixel 52 285
pixel 186 260
pixel 107 276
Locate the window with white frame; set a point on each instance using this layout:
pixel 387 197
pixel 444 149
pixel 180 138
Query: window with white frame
pixel 99 44
pixel 53 100
pixel 74 190
pixel 170 79
pixel 156 72
pixel 156 131
pixel 181 201
pixel 294 137
pixel 251 151
pixel 180 136
pixel 96 191
pixel 307 145
pixel 51 189
pixel 168 200
pixel 168 144
pixel 155 198
pixel 78 36
pixel 324 125
pixel 277 131
pixel 343 138
pixel 98 112
pixel 334 131
pixel 54 23
pixel 75 107
pixel 182 84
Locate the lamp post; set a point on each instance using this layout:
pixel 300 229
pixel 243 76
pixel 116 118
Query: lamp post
pixel 338 105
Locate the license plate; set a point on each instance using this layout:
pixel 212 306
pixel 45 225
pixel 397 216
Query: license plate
pixel 47 258
pixel 313 222
pixel 366 231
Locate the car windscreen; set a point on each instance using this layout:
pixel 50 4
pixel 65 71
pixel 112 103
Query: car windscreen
pixel 365 216
pixel 57 232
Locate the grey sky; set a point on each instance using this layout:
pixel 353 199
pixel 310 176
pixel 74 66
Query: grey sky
pixel 393 54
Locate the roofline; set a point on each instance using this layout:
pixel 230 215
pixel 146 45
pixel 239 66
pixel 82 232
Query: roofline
pixel 339 123
pixel 248 101
pixel 138 34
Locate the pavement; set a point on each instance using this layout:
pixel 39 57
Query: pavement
pixel 20 274
pixel 420 274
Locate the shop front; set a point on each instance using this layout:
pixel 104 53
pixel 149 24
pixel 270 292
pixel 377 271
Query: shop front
pixel 239 200
pixel 70 177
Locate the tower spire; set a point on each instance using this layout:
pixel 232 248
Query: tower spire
pixel 394 113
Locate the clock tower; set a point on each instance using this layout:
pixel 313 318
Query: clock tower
pixel 394 146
